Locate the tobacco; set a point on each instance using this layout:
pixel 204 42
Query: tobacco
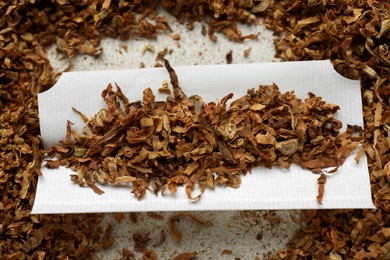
pixel 227 252
pixel 154 215
pixel 353 34
pixel 229 57
pixel 175 232
pixel 247 52
pixel 185 256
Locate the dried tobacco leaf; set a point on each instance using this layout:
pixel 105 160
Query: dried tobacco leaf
pixel 149 48
pixel 41 233
pixel 247 52
pixel 126 255
pixel 321 187
pixel 119 216
pixel 140 240
pixel 155 215
pixel 175 232
pixel 161 54
pixel 176 37
pixel 227 252
pixel 229 57
pixel 185 256
pixel 133 217
pixel 261 7
pixel 224 16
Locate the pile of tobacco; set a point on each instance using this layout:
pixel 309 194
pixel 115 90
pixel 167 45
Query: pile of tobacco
pixel 354 34
pixel 156 145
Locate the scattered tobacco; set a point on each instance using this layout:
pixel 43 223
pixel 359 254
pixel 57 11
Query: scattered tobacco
pixel 149 48
pixel 185 256
pixel 126 255
pixel 119 216
pixel 133 216
pixel 155 215
pixel 175 232
pixel 141 242
pixel 161 54
pixel 229 57
pixel 321 187
pixel 247 52
pixel 176 37
pixel 353 34
pixel 227 252
pixel 185 141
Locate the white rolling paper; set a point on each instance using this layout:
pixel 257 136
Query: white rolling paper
pixel 263 189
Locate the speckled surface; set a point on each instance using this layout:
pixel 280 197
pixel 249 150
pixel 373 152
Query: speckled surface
pixel 247 234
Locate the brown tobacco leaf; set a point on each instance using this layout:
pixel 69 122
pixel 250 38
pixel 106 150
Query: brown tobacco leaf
pixel 247 52
pixel 148 254
pixel 165 88
pixel 149 48
pixel 140 241
pixel 133 217
pixel 175 232
pixel 225 16
pixel 185 256
pixel 321 187
pixel 229 57
pixel 177 91
pixel 126 255
pixel 41 233
pixel 186 142
pixel 119 216
pixel 176 37
pixel 155 215
pixel 161 54
pixel 227 252
pixel 107 240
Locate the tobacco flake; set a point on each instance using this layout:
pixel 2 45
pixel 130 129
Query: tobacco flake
pixel 185 256
pixel 321 187
pixel 229 57
pixel 175 232
pixel 227 252
pixel 149 48
pixel 247 52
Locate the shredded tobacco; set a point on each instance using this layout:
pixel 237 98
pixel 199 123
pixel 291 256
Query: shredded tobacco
pixel 227 252
pixel 157 145
pixel 155 215
pixel 247 52
pixel 175 232
pixel 321 187
pixel 229 57
pixel 185 256
pixel 353 34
